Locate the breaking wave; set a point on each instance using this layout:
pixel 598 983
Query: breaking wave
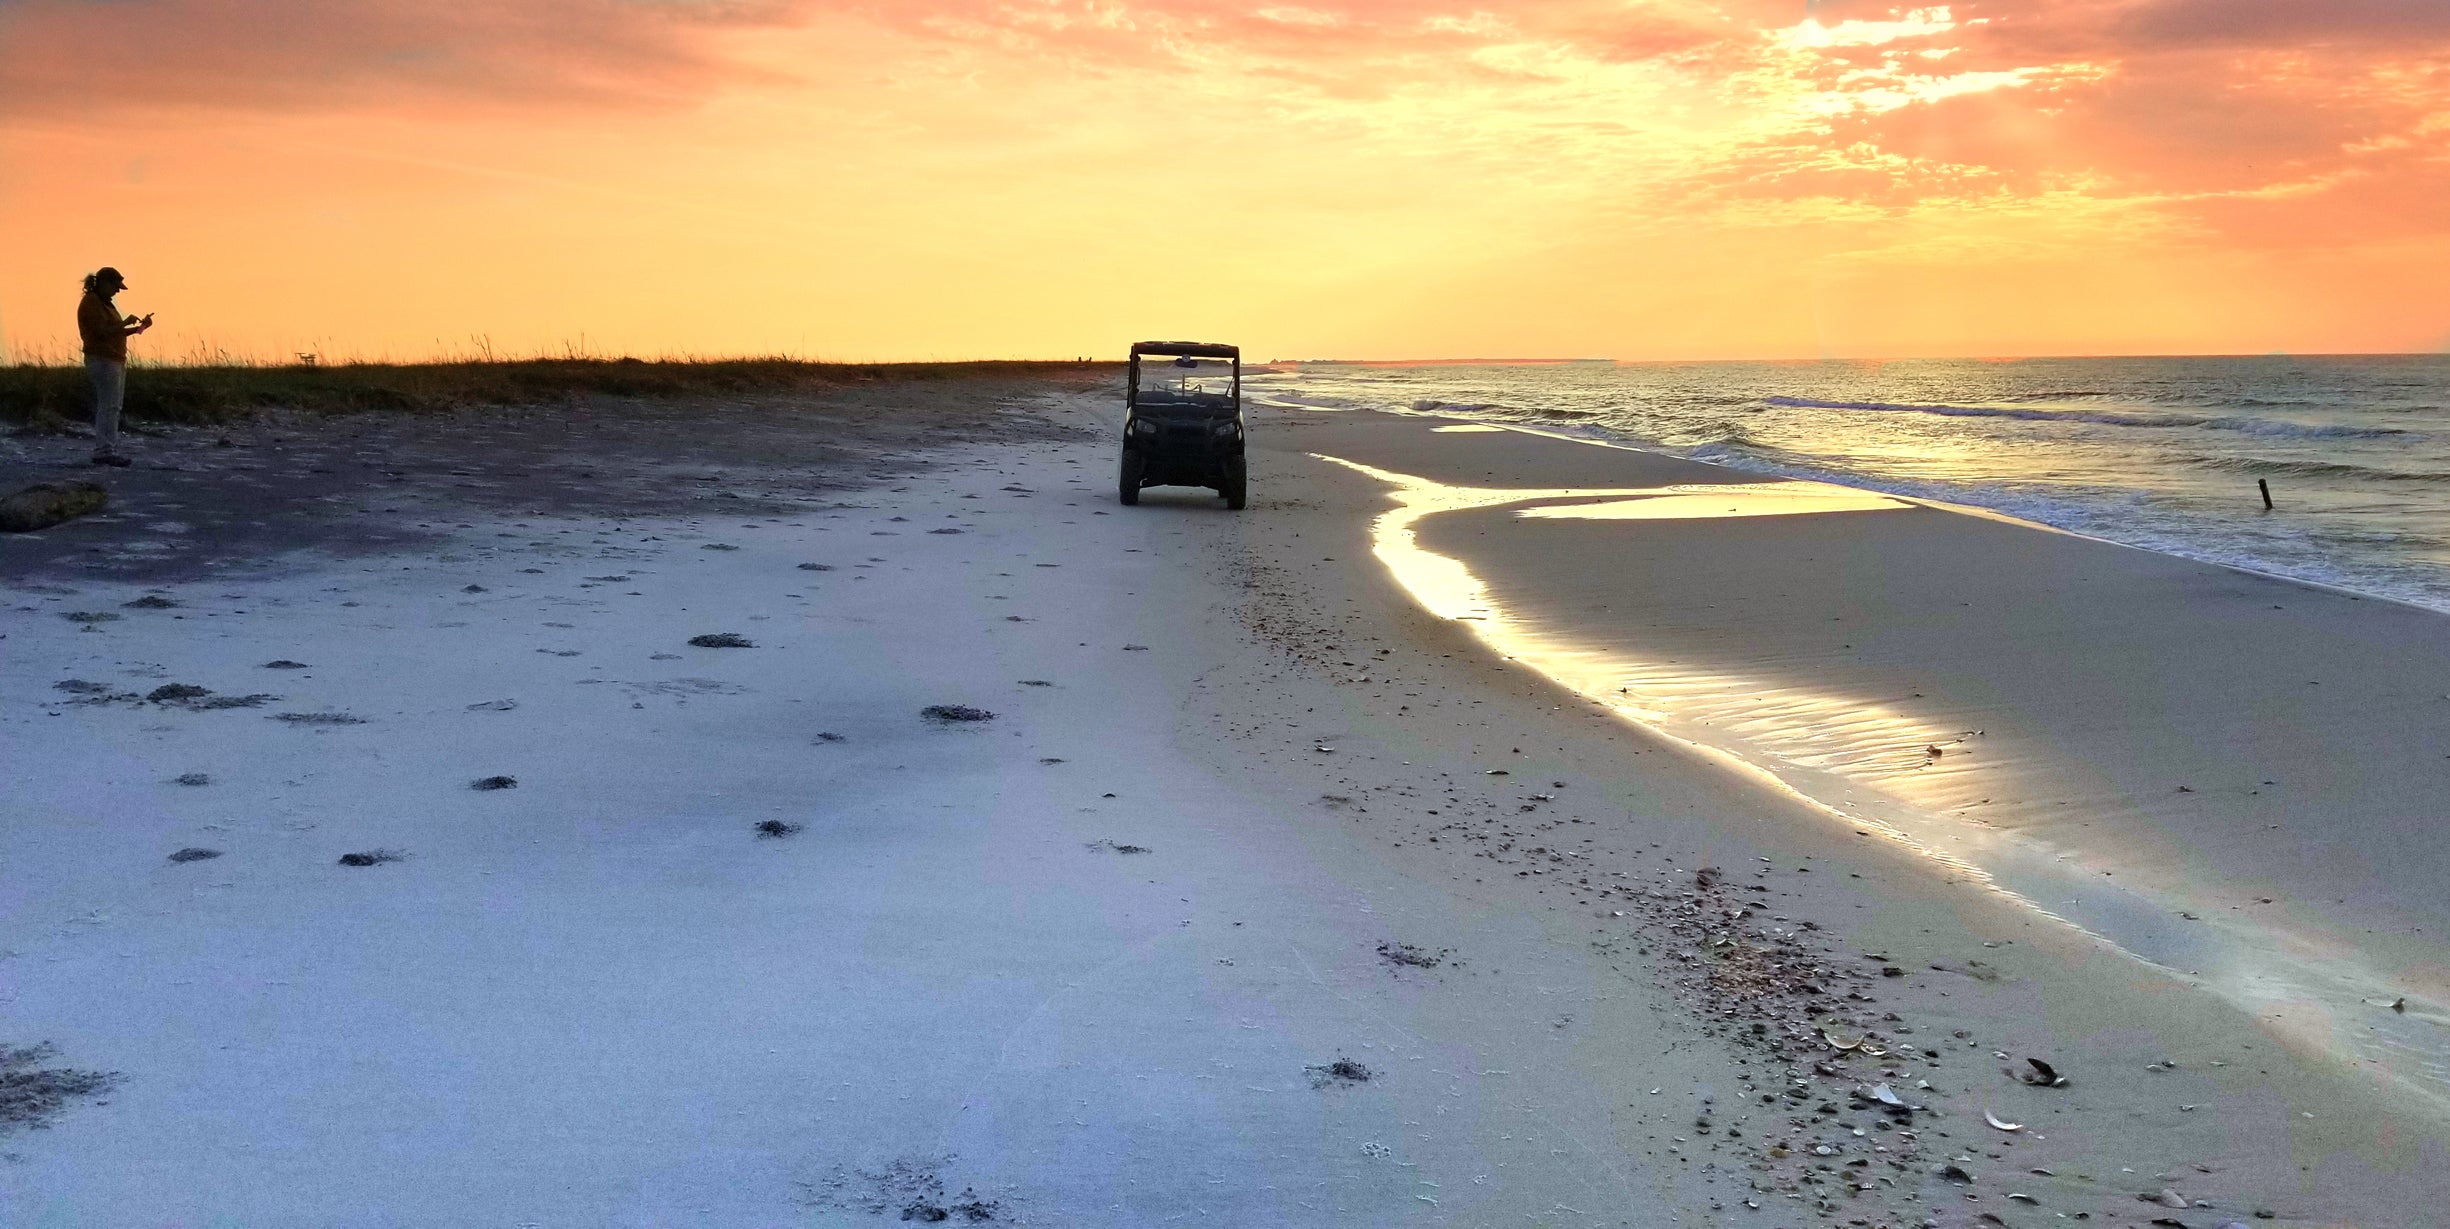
pixel 2266 467
pixel 2216 422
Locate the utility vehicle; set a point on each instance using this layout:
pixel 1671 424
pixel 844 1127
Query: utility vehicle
pixel 1182 422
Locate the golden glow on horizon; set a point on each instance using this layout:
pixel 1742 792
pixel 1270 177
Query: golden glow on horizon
pixel 1388 178
pixel 1734 500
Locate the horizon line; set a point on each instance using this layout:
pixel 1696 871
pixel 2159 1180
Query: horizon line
pixel 227 360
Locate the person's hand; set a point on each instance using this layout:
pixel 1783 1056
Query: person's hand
pixel 147 322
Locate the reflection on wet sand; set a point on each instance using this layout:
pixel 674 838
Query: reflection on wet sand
pixel 1860 759
pixel 1710 502
pixel 1764 728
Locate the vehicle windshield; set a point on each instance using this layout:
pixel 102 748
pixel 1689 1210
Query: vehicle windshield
pixel 1165 380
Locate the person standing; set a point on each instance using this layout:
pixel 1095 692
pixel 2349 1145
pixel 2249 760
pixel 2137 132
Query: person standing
pixel 105 333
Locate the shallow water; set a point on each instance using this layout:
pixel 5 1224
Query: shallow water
pixel 2161 453
pixel 2294 877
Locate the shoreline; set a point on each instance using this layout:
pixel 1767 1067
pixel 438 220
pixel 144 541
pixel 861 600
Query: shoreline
pixel 2143 452
pixel 1861 483
pixel 1244 811
pixel 1851 751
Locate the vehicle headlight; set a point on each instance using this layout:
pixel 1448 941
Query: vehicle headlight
pixel 1144 426
pixel 1229 427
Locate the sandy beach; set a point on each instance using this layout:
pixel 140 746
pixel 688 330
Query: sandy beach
pixel 1378 855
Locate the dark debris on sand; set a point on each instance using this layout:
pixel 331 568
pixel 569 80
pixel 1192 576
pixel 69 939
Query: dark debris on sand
pixel 252 700
pixel 1122 849
pixel 192 778
pixel 967 1207
pixel 195 854
pixel 319 718
pixel 87 691
pixel 31 1094
pixel 49 503
pixel 372 857
pixel 1409 956
pixel 284 664
pixel 912 1190
pixel 955 712
pixel 775 829
pixel 721 640
pixel 1341 1071
pixel 1785 996
pixel 202 699
pixel 490 783
pixel 150 601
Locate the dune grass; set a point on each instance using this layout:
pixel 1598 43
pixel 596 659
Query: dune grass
pixel 200 393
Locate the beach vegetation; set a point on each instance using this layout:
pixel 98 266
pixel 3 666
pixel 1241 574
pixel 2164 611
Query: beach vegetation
pixel 44 393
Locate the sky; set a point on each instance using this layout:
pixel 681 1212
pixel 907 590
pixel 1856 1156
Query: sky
pixel 1389 179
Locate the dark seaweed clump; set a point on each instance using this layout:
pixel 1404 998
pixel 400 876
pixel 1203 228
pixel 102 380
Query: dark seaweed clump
pixel 1341 1071
pixel 31 1095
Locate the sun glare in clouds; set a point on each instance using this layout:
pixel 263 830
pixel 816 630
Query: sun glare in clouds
pixel 1381 178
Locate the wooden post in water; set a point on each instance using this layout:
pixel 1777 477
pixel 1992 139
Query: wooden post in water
pixel 2264 484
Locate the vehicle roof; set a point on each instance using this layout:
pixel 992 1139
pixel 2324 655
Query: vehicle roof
pixel 1188 349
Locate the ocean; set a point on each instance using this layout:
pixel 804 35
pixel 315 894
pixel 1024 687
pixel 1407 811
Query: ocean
pixel 2158 453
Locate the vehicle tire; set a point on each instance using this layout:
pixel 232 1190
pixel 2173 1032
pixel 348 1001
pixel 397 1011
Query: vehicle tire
pixel 1127 485
pixel 1237 484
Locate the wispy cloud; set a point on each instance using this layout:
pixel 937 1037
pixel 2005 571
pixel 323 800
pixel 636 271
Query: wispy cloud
pixel 1393 134
pixel 99 59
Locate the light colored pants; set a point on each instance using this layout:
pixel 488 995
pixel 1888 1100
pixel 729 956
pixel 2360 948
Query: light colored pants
pixel 110 378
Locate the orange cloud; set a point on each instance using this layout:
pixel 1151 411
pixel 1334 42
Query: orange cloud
pixel 1362 172
pixel 71 59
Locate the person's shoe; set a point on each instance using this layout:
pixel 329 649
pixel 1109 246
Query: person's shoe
pixel 111 458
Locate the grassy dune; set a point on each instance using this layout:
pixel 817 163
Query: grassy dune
pixel 202 394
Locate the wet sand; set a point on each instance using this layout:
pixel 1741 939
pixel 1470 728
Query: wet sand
pixel 753 939
pixel 2238 778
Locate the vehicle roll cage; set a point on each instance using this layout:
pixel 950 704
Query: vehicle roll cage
pixel 1181 349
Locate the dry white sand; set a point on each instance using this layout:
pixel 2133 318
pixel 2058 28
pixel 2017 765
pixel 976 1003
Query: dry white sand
pixel 602 997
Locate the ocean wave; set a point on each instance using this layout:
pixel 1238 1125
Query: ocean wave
pixel 1300 401
pixel 2129 518
pixel 2299 430
pixel 2267 467
pixel 2230 422
pixel 1428 406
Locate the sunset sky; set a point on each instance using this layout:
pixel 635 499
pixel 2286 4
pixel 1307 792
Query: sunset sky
pixel 1640 179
